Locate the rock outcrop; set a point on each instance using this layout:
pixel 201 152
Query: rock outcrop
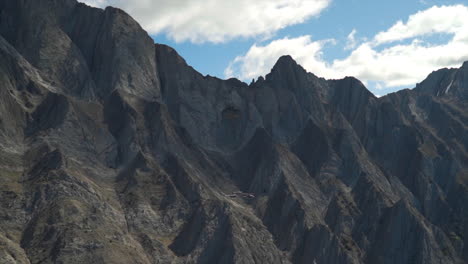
pixel 114 150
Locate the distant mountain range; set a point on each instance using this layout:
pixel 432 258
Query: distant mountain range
pixel 114 150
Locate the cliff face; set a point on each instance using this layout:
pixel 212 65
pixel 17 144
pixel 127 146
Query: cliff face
pixel 114 150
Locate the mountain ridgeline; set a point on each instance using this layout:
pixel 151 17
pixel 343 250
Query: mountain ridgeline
pixel 114 150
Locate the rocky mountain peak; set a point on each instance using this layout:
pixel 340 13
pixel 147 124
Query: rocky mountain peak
pixel 284 62
pixel 446 83
pixel 287 67
pixel 114 150
pixel 465 65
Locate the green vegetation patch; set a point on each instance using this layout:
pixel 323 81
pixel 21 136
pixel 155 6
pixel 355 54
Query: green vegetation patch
pixel 10 181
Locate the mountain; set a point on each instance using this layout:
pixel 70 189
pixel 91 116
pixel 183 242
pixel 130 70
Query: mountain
pixel 114 150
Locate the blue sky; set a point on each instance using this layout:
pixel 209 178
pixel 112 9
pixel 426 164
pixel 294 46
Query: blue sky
pixel 211 34
pixel 368 17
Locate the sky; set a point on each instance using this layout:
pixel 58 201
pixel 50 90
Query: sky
pixel 388 45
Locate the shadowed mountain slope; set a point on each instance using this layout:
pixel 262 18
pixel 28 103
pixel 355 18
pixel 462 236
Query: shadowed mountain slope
pixel 114 150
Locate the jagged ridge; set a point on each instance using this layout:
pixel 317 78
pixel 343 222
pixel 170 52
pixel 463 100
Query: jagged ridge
pixel 114 150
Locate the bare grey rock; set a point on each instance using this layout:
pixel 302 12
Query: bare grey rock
pixel 114 150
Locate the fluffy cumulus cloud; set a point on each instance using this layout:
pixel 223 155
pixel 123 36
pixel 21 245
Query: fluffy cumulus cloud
pixel 445 19
pixel 215 20
pixel 399 56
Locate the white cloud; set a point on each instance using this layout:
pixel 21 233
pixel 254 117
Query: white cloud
pixel 95 3
pixel 444 19
pixel 215 20
pixel 392 65
pixel 351 40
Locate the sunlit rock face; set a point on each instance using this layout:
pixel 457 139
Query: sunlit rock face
pixel 114 150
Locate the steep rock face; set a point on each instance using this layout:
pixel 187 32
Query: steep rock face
pixel 446 82
pixel 114 150
pixel 80 49
pixel 217 113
